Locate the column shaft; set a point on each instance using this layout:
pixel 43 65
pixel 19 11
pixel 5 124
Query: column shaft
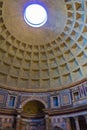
pixel 68 125
pixel 77 123
pixel 48 122
pixel 18 123
pixel 85 119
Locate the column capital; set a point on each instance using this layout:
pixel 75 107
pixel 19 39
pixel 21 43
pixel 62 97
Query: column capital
pixel 76 117
pixel 19 110
pixel 67 119
pixel 85 116
pixel 46 116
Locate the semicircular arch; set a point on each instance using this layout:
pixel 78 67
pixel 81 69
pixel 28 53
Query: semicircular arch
pixel 33 99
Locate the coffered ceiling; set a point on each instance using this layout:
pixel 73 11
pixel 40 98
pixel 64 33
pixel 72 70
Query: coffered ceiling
pixel 51 57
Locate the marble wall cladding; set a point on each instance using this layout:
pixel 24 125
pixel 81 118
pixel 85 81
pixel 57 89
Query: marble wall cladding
pixel 75 96
pixel 26 97
pixel 58 122
pixel 33 124
pixel 3 98
pixel 66 98
pixel 6 121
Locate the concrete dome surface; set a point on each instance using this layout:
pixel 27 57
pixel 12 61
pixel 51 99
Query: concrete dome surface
pixel 51 57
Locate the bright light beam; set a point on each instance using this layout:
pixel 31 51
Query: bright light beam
pixel 35 15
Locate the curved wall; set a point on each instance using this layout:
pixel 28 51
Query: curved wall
pixel 60 106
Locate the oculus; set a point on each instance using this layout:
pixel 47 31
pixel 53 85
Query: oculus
pixel 35 15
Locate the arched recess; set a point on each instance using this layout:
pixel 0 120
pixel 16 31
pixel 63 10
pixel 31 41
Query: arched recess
pixel 33 115
pixel 34 107
pixel 32 99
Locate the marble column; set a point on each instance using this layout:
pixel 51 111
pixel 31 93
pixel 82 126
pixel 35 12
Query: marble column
pixel 27 126
pixel 68 125
pixel 18 119
pixel 48 122
pixel 77 123
pixel 23 125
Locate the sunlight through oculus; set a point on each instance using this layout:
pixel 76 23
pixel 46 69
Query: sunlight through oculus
pixel 35 15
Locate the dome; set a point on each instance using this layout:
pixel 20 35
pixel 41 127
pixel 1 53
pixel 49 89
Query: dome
pixel 51 57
